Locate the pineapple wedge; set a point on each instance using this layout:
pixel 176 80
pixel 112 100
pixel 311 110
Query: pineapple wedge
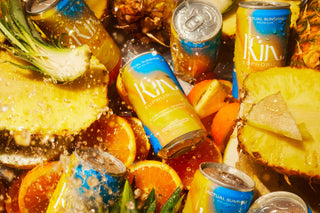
pixel 211 100
pixel 272 114
pixel 300 89
pixel 38 118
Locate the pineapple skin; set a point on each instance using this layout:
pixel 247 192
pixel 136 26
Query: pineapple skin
pixel 147 20
pixel 307 51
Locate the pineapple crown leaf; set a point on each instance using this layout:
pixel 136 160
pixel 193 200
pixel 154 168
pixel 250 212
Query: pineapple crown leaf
pixel 61 64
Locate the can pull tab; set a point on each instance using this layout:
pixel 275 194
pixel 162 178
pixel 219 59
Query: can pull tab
pixel 194 21
pixel 197 18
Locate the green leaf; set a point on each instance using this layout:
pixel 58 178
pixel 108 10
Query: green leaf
pixel 150 203
pixel 170 205
pixel 152 207
pixel 179 203
pixel 126 203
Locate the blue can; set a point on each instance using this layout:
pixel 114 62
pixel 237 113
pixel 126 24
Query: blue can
pixel 100 173
pixel 219 188
pixel 279 201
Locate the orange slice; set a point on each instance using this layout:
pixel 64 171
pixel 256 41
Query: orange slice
pixel 38 186
pixel 112 134
pixel 142 141
pixel 121 90
pixel 151 174
pixel 223 124
pixel 227 85
pixel 198 89
pixel 207 97
pixel 11 202
pixel 118 138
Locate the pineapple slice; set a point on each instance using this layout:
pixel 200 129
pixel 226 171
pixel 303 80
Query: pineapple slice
pixel 272 114
pixel 300 89
pixel 39 119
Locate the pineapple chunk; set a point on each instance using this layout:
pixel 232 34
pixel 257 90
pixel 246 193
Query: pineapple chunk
pixel 300 89
pixel 211 100
pixel 272 114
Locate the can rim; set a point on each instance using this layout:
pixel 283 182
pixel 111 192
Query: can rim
pixel 229 169
pixel 271 5
pixel 217 11
pixel 276 195
pixel 153 52
pixel 30 3
pixel 118 164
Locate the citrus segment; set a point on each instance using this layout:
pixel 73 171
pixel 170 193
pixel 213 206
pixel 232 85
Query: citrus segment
pixel 227 85
pixel 223 124
pixel 198 89
pixel 207 97
pixel 118 139
pixel 151 174
pixel 142 141
pixel 121 90
pixel 38 186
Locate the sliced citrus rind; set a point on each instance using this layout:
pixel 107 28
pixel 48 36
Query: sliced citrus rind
pixel 37 187
pixel 300 89
pixel 151 174
pixel 120 139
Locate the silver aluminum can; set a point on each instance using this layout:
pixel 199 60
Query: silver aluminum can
pixel 280 201
pixel 195 38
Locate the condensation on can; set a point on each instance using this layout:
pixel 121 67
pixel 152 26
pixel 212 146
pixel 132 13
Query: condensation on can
pixel 73 23
pixel 156 96
pixel 217 187
pixel 100 171
pixel 92 179
pixel 279 201
pixel 261 37
pixel 195 38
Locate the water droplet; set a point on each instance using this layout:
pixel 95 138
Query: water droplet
pixel 130 205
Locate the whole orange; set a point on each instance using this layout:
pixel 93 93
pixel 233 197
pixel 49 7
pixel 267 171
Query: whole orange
pixel 223 124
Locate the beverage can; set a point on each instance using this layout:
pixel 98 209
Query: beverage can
pixel 217 187
pixel 279 201
pixel 156 96
pixel 72 23
pixel 261 37
pixel 195 38
pixel 93 180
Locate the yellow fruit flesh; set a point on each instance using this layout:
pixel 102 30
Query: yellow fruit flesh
pixel 41 107
pixel 300 89
pixel 212 99
pixel 272 114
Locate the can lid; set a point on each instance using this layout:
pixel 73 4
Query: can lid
pixel 279 201
pixel 227 176
pixel 196 21
pixel 39 6
pixel 264 5
pixel 101 161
